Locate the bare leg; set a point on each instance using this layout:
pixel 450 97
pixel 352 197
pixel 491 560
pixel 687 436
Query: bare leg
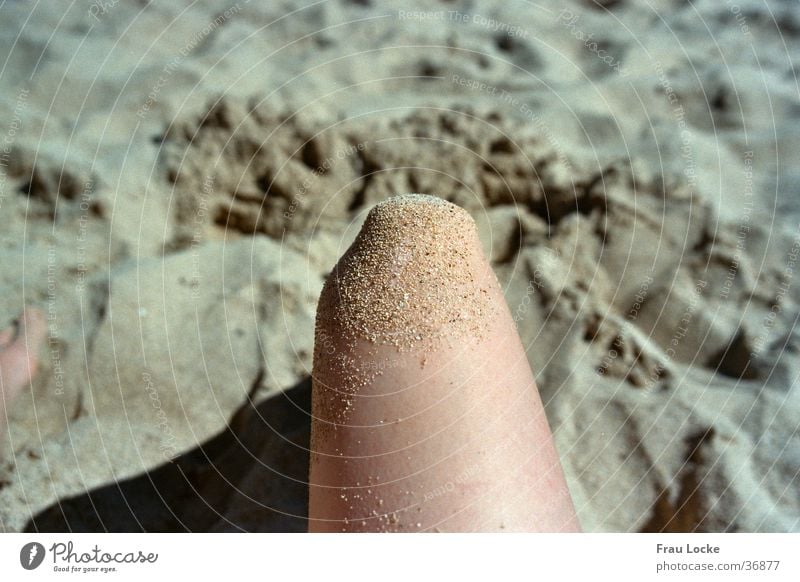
pixel 19 358
pixel 426 414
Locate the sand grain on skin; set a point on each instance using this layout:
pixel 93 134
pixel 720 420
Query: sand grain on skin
pixel 408 281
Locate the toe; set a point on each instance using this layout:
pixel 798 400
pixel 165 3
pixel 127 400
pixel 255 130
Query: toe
pixel 19 358
pixel 5 336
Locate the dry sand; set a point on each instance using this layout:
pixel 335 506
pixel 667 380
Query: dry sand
pixel 178 179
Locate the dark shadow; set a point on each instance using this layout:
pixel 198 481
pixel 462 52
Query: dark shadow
pixel 251 477
pixel 688 511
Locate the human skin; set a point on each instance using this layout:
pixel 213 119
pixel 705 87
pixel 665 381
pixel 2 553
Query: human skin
pixel 426 417
pixel 19 359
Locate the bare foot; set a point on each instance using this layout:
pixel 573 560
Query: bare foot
pixel 19 358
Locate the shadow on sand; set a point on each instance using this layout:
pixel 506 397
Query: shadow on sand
pixel 251 477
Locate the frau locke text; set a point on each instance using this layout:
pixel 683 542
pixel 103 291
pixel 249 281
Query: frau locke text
pixel 687 549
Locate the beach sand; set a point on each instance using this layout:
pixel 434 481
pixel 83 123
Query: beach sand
pixel 178 179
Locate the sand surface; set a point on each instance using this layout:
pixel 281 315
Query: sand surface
pixel 177 179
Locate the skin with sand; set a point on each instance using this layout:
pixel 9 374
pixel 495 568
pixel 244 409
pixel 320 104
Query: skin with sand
pixel 426 416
